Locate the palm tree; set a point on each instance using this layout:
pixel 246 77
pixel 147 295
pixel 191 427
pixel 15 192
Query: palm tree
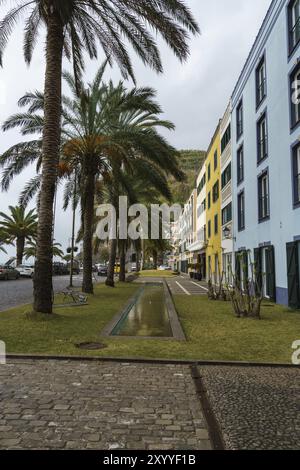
pixel 111 129
pixel 154 248
pixel 30 250
pixel 74 27
pixel 19 227
pixel 3 240
pixel 144 187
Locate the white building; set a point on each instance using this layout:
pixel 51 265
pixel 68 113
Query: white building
pixel 226 195
pixel 266 154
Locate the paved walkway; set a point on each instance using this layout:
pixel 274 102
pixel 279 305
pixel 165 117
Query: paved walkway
pixel 99 405
pixel 257 407
pixel 180 285
pixel 186 286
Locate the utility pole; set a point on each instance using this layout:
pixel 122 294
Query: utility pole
pixel 73 231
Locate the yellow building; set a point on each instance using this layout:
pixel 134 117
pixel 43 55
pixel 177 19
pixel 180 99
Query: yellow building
pixel 213 208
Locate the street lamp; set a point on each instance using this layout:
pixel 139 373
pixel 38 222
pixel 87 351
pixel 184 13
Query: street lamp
pixel 227 232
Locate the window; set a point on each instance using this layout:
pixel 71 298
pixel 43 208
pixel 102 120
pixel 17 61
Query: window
pixel 208 173
pixel 241 211
pixel 240 165
pixel 226 138
pixel 209 200
pixel 226 176
pixel 263 197
pixel 261 88
pixel 294 23
pixel 295 95
pixel 227 214
pixel 216 160
pixel 262 139
pixel 201 184
pixel 216 192
pixel 296 174
pixel 209 229
pixel 216 224
pixel 239 120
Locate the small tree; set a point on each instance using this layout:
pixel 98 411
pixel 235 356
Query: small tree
pixel 216 289
pixel 246 295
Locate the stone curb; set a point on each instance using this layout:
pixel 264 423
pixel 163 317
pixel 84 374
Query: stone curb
pixel 150 361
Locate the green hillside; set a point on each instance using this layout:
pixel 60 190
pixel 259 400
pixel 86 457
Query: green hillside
pixel 190 162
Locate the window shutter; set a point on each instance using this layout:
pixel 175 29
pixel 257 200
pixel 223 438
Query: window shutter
pixel 295 172
pixel 293 275
pixel 238 268
pixel 272 274
pixel 257 266
pixel 245 265
pixel 259 198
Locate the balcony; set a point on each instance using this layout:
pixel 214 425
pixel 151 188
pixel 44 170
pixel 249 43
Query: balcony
pixel 226 193
pixel 225 157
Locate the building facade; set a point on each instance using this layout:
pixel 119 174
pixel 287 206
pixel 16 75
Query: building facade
pixel 213 208
pixel 226 196
pixel 266 155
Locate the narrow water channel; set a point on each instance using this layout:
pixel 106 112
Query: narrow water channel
pixel 148 316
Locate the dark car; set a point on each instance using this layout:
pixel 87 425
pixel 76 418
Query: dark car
pixel 102 271
pixel 60 269
pixel 8 272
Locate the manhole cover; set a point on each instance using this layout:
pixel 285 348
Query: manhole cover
pixel 90 346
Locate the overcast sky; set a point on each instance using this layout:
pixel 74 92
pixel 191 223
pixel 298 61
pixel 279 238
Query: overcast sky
pixel 194 95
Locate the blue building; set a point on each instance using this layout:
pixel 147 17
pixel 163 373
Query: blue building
pixel 266 154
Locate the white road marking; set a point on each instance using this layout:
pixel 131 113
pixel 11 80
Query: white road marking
pixel 200 287
pixel 184 290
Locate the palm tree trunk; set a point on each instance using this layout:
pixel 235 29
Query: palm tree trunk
pixel 51 144
pixel 20 250
pixel 122 275
pixel 138 261
pixel 111 264
pixel 88 222
pixel 155 257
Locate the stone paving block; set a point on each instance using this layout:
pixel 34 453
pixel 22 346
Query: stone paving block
pixel 98 405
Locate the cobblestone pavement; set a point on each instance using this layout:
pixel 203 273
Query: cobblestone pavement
pixel 257 408
pixel 99 405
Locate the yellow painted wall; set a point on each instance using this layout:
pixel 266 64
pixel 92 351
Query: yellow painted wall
pixel 214 241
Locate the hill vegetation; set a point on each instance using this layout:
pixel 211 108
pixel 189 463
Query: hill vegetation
pixel 190 162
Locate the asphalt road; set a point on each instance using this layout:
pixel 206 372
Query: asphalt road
pixel 20 292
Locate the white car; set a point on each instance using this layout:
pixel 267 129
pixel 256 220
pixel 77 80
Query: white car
pixel 25 270
pixel 164 268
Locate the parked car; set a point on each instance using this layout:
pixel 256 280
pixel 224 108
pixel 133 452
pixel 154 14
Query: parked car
pixel 8 272
pixel 133 267
pixel 25 270
pixel 164 268
pixel 102 270
pixel 60 269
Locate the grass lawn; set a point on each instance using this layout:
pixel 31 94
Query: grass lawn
pixel 153 273
pixel 212 330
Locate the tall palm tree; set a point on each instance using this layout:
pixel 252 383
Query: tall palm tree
pixel 111 129
pixel 19 227
pixel 74 27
